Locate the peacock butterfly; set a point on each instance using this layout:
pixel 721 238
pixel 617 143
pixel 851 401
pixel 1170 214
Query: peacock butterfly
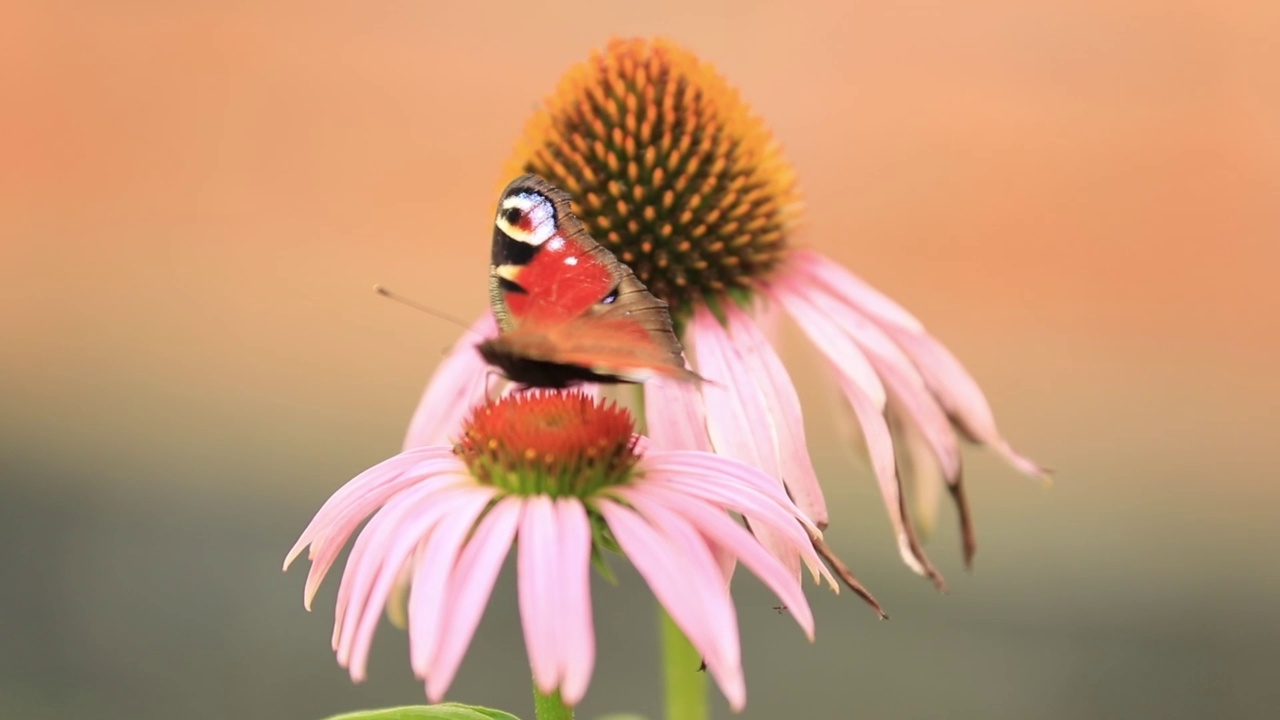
pixel 568 311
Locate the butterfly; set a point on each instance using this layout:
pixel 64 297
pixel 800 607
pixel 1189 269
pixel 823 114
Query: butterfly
pixel 568 311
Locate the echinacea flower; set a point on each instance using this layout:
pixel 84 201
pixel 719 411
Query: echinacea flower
pixel 562 477
pixel 670 171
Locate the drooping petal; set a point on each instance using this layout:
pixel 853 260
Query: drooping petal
pixel 738 418
pixel 719 529
pixel 539 583
pixel 468 591
pixel 458 384
pixel 896 371
pixel 577 639
pixel 783 407
pixel 848 359
pixel 879 444
pixel 959 393
pixel 921 473
pixel 684 578
pixel 869 410
pixel 945 376
pixel 856 291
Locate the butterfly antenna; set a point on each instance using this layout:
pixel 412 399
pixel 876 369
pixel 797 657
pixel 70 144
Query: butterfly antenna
pixel 392 295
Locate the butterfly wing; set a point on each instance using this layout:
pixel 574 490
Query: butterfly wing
pixel 560 296
pixel 608 348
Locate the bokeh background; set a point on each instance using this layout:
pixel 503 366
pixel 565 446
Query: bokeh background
pixel 1080 198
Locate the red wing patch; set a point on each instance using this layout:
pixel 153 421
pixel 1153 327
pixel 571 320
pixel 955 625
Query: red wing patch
pixel 569 311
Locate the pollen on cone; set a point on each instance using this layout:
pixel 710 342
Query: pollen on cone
pixel 668 169
pixel 563 443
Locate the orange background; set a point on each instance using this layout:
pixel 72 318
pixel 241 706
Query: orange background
pixel 1081 199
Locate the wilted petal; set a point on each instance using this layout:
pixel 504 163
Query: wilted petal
pixel 883 464
pixel 869 410
pixel 458 384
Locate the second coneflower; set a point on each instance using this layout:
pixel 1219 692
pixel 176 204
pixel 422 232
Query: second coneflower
pixel 670 171
pixel 563 479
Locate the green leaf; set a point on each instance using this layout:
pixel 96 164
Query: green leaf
pixel 443 711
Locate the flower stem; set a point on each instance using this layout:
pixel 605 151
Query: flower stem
pixel 550 707
pixel 686 685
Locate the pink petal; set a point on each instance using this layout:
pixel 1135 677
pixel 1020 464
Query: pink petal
pixel 459 383
pixel 959 393
pixel 747 501
pixel 370 481
pixel 719 529
pixel 869 409
pixel 854 289
pixel 782 521
pixel 395 532
pixel 434 565
pixel 843 353
pixel 326 547
pixel 675 418
pixel 783 407
pixel 680 570
pixel 721 472
pixel 577 634
pixel 469 588
pixel 898 374
pixel 942 372
pixel 737 418
pixel 539 582
pixel 368 551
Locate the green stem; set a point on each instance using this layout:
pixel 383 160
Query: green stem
pixel 550 707
pixel 686 686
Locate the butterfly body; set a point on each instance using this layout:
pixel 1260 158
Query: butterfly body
pixel 567 309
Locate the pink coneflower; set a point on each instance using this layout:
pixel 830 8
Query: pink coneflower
pixel 562 474
pixel 670 171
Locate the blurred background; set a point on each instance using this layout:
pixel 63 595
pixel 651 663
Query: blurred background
pixel 1080 199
